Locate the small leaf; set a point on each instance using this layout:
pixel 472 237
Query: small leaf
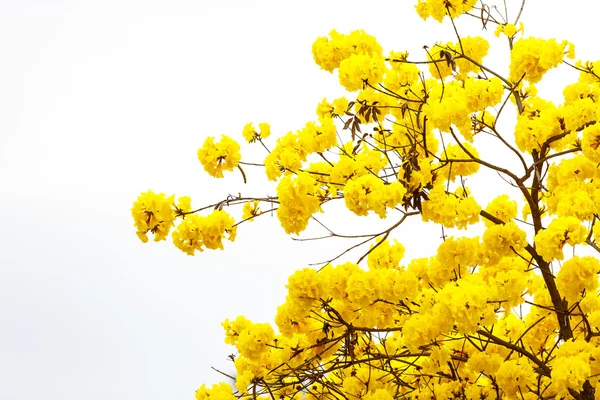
pixel 347 124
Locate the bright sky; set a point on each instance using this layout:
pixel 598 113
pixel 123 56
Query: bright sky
pixel 101 100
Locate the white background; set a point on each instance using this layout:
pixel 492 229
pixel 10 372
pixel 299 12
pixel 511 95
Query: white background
pixel 101 100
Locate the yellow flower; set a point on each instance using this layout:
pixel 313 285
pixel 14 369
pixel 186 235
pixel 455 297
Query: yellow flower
pixel 386 255
pixel 463 166
pixel 369 193
pixel 184 205
pixel 452 210
pixel 503 208
pixel 532 57
pixel 287 155
pixel 576 275
pixel 329 52
pixel 153 213
pixel 438 9
pixel 219 391
pixel 509 30
pixel 501 240
pixel 250 210
pixel 340 106
pixel 265 130
pixel 253 341
pixel 591 143
pixel 221 156
pixel 358 69
pixel 298 201
pixel 514 376
pixel 197 232
pixel 251 135
pixel 549 242
pixel 318 138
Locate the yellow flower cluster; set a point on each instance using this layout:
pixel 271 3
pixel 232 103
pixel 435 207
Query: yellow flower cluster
pixel 250 210
pixel 197 232
pixel 549 242
pixel 251 135
pixel 287 155
pixel 532 57
pixel 251 339
pixel 574 188
pixel 503 208
pixel 510 30
pixel 386 255
pixel 336 108
pixel 219 391
pixel 453 210
pixel 504 239
pixel 452 103
pixel 482 93
pixel 448 57
pixel 448 107
pixel 351 166
pixel 359 69
pixel 438 9
pixel 453 259
pixel 514 376
pixel 540 121
pixel 155 213
pixel 576 275
pixel 298 201
pixel 458 162
pixel 575 362
pixel 292 149
pixel 221 156
pixel 318 138
pixel 357 55
pixel 401 74
pixel 590 144
pixel 329 52
pixel 369 193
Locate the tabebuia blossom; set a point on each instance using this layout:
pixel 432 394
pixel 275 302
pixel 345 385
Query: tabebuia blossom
pixel 501 302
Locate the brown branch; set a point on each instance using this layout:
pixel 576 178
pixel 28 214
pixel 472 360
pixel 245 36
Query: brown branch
pixel 543 368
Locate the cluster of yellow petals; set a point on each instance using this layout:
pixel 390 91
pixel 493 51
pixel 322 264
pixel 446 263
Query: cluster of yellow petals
pixel 155 213
pixel 223 155
pixel 250 210
pixel 574 188
pixel 251 135
pixel 219 391
pixel 453 103
pixel 298 201
pixel 576 275
pixel 450 59
pixel 501 207
pixel 453 210
pixel 532 57
pixel 590 144
pixel 357 56
pixel 354 71
pixel 369 193
pixel 336 108
pixel 197 232
pixel 459 161
pixel 549 242
pixel 330 52
pixel 438 9
pixel 509 30
pixel 292 149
